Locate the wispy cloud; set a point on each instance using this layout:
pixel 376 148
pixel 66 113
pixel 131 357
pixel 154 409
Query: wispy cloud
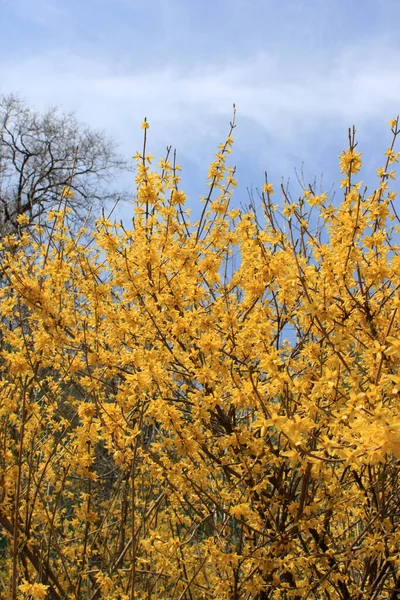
pixel 286 101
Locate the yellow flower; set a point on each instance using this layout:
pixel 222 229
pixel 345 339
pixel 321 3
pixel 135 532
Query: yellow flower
pixel 23 219
pixel 392 155
pixel 350 161
pixel 381 172
pixel 145 124
pixel 67 192
pixel 35 591
pixel 290 209
pixel 268 188
pixel 240 510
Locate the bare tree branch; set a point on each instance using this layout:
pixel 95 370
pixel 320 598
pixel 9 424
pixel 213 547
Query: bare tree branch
pixel 41 154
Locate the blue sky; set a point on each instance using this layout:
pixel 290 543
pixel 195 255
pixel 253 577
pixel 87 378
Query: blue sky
pixel 299 71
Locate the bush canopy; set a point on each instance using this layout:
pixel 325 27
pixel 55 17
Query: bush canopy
pixel 210 409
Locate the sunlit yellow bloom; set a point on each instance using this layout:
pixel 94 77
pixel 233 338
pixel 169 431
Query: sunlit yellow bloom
pixel 268 188
pixel 350 162
pixel 68 192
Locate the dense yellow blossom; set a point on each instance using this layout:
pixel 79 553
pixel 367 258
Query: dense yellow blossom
pixel 206 409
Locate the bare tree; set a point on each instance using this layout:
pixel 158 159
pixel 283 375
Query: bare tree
pixel 45 156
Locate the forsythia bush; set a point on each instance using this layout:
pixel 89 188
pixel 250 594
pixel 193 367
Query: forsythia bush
pixel 204 410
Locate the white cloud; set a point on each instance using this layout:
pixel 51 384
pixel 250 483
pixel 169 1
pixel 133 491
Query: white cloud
pixel 284 101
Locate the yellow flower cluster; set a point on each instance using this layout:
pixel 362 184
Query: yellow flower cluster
pixel 204 409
